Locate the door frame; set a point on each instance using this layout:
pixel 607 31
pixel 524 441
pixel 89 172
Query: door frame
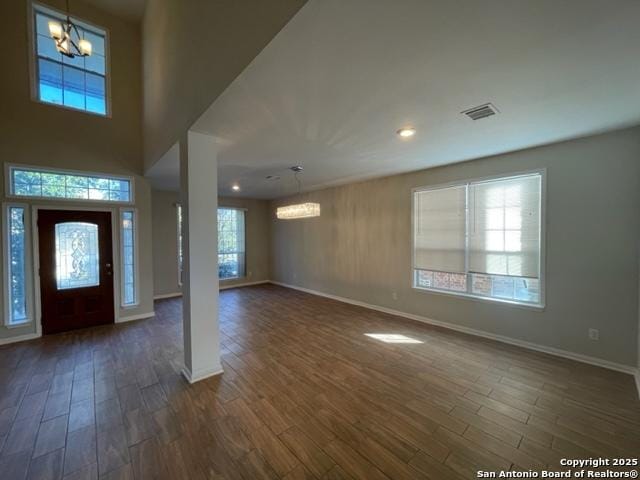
pixel 115 251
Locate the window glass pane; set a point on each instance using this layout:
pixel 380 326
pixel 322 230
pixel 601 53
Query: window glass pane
pixel 77 82
pixel 97 42
pixel 77 62
pixel 527 289
pixel 17 268
pixel 77 255
pixel 65 185
pixel 47 48
pixel 73 87
pixel 95 63
pixel 502 287
pixel 450 281
pixel 179 223
pixel 42 24
pixel 228 265
pixel 50 81
pixel 128 258
pixel 55 191
pixel 95 93
pixel 482 284
pixel 230 243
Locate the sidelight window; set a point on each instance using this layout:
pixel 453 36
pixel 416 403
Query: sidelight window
pixel 16 261
pixel 129 257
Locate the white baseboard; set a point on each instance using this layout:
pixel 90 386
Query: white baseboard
pixel 200 374
pixel 238 285
pixel 167 295
pixel 19 338
pixel 135 317
pixel 598 362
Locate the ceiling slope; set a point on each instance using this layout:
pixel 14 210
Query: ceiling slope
pixel 331 89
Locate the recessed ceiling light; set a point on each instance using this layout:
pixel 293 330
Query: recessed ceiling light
pixel 406 132
pixel 235 188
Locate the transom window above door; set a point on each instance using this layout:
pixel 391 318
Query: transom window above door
pixel 80 82
pixel 57 184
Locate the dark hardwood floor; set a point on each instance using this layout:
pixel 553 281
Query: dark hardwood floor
pixel 305 395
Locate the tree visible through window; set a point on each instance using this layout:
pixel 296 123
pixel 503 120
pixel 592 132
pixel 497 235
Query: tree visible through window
pixel 31 182
pixel 17 265
pixel 231 243
pixel 231 251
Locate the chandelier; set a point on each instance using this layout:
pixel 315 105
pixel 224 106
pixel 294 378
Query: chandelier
pixel 298 210
pixel 67 38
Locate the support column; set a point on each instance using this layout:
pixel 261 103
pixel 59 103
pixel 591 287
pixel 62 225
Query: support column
pixel 199 200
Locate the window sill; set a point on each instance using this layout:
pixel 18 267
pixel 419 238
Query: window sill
pixel 226 279
pixel 73 109
pixel 129 307
pixel 18 324
pixel 493 301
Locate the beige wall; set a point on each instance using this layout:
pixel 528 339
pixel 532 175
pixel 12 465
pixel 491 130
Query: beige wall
pixel 165 245
pixel 360 247
pixel 165 242
pixel 192 51
pixel 37 134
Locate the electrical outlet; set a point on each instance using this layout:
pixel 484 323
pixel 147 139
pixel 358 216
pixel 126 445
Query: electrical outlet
pixel 394 295
pixel 249 274
pixel 594 334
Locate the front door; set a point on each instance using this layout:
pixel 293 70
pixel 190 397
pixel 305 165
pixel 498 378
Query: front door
pixel 76 269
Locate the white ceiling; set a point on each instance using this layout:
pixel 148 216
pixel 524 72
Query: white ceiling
pixel 332 88
pixel 131 10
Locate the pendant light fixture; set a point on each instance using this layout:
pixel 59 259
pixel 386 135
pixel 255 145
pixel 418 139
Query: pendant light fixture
pixel 298 210
pixel 67 38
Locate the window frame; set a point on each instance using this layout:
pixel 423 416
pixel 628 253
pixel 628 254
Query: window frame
pixel 244 229
pixel 179 235
pixel 32 7
pixel 28 265
pixel 9 187
pixel 136 262
pixel 541 305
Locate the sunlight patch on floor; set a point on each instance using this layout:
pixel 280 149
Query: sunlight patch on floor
pixel 392 338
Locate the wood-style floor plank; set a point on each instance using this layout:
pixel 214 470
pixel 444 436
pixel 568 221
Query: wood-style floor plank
pixel 305 395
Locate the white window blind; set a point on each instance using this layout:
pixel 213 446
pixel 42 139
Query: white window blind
pixel 504 227
pixel 439 229
pixel 481 239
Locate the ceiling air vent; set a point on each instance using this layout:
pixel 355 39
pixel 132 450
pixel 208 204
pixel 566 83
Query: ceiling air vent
pixel 483 111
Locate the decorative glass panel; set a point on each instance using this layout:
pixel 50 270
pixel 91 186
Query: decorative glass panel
pixel 41 183
pixel 78 82
pixel 77 255
pixel 17 269
pixel 128 258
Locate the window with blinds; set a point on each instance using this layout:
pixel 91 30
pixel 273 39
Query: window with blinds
pixel 481 239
